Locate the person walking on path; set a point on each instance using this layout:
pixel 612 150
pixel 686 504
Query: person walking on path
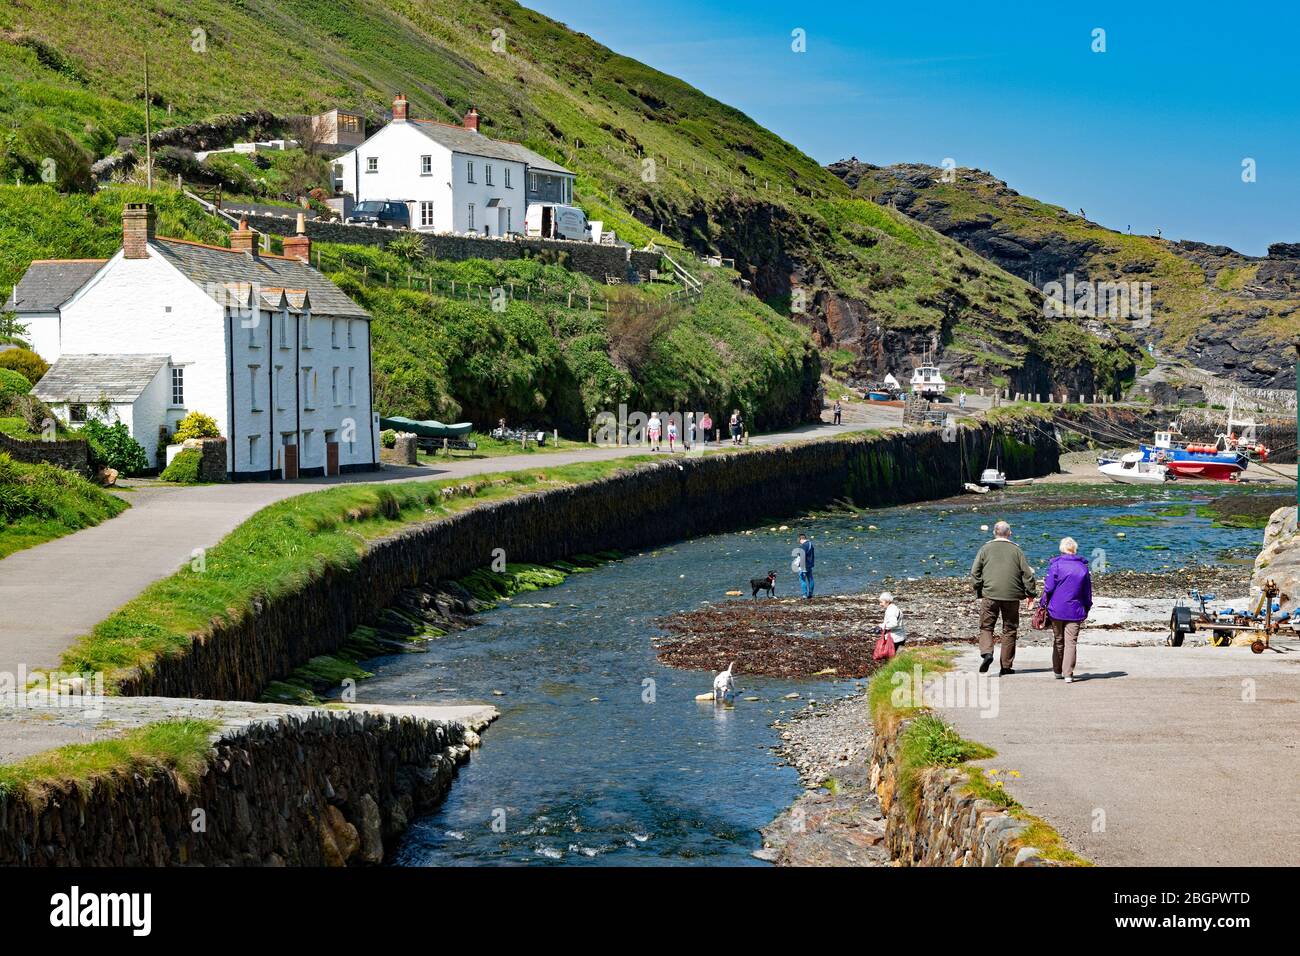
pixel 1067 595
pixel 706 426
pixel 805 563
pixel 653 428
pixel 1002 579
pixel 672 435
pixel 737 426
pixel 838 411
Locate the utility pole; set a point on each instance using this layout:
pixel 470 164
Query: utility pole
pixel 148 129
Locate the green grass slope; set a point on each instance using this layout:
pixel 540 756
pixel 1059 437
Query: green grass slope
pixel 1210 305
pixel 41 502
pixel 654 156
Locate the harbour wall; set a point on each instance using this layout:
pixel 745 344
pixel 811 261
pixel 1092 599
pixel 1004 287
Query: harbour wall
pixel 681 497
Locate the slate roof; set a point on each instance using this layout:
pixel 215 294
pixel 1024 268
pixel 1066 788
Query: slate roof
pixel 214 269
pixel 90 378
pixel 473 143
pixel 48 283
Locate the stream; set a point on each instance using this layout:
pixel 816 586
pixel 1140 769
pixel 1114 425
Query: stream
pixel 602 756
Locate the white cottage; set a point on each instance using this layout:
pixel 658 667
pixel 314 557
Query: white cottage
pixel 266 345
pixel 452 178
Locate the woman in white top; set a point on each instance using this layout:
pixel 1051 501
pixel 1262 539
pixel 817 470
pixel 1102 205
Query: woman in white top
pixel 653 428
pixel 893 623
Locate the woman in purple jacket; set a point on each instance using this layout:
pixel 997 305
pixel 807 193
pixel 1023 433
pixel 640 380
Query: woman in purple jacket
pixel 1067 595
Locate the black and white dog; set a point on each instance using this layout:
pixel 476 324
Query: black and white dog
pixel 767 584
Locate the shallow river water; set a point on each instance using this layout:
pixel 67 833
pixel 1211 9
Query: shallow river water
pixel 602 756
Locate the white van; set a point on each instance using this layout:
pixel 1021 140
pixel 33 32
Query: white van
pixel 553 221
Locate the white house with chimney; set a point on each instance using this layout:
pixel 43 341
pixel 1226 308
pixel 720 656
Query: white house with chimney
pixel 452 178
pixel 266 345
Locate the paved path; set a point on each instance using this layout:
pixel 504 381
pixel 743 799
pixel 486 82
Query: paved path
pixel 1168 743
pixel 56 592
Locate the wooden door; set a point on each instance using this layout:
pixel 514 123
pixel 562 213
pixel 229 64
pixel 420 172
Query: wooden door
pixel 290 461
pixel 331 458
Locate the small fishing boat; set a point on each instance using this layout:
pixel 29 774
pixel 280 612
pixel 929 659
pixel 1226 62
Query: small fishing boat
pixel 1221 460
pixel 926 379
pixel 993 478
pixel 1133 469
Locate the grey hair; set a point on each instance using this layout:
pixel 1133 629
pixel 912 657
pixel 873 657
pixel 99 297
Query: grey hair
pixel 1002 530
pixel 886 597
pixel 1069 546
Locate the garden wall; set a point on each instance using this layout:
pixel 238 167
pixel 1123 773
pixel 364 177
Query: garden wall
pixel 679 498
pixel 74 455
pixel 591 259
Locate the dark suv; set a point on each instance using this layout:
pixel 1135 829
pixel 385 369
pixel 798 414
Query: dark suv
pixel 382 212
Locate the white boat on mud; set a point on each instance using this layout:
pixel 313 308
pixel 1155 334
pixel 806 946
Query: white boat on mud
pixel 993 478
pixel 1132 470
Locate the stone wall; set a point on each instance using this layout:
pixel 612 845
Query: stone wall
pixel 679 498
pixel 948 826
pixel 73 454
pixel 328 789
pixel 595 261
pixel 405 451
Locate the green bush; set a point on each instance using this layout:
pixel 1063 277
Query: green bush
pixel 25 362
pixel 111 446
pixel 13 383
pixel 388 438
pixel 184 468
pixel 196 425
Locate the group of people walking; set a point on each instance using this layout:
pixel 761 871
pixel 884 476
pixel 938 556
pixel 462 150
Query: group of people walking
pixel 657 431
pixel 1003 578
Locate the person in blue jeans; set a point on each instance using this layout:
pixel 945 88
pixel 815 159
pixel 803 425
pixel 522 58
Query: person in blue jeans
pixel 806 574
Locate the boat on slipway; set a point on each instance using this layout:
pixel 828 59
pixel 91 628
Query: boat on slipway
pixel 1221 460
pixel 1133 469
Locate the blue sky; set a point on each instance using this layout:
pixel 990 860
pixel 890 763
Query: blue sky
pixel 1149 134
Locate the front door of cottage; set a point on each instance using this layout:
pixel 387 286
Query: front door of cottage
pixel 290 461
pixel 331 458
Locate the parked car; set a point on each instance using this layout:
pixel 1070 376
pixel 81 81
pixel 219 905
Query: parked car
pixel 382 212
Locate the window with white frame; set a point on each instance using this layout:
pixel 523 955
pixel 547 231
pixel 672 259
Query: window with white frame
pixel 426 165
pixel 306 330
pixel 252 388
pixel 279 390
pixel 352 394
pixel 372 164
pixel 178 385
pixel 351 344
pixel 308 388
pixel 252 449
pixel 507 177
pixel 284 329
pixel 334 385
pixel 470 220
pixel 426 213
pixel 487 173
pixel 469 170
pixel 77 414
pixel 509 220
pixel 334 333
pixel 533 182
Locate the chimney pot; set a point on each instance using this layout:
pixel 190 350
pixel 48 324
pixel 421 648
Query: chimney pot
pixel 471 119
pixel 138 223
pixel 299 246
pixel 400 110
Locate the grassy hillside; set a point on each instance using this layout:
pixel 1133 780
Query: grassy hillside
pixel 41 502
pixel 877 284
pixel 535 362
pixel 1211 305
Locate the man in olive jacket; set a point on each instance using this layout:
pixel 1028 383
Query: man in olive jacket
pixel 1002 578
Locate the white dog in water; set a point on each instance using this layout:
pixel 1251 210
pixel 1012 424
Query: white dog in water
pixel 724 685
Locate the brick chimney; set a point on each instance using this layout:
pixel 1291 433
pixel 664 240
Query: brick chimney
pixel 137 229
pixel 243 239
pixel 471 119
pixel 299 246
pixel 399 108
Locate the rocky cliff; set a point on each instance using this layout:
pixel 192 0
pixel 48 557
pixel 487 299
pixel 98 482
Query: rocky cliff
pixel 1280 559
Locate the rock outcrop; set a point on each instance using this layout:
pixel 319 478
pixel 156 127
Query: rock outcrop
pixel 1280 559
